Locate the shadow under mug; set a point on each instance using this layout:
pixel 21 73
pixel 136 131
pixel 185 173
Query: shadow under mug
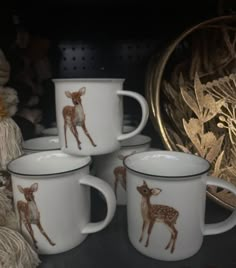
pixel 110 168
pixel 52 199
pixel 90 115
pixel 166 195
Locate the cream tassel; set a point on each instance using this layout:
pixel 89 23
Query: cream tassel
pixel 10 141
pixel 15 251
pixel 7 215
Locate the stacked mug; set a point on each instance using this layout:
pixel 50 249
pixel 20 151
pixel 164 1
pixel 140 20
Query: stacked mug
pixel 51 188
pixel 110 166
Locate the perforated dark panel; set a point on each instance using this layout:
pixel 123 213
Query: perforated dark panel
pixel 105 59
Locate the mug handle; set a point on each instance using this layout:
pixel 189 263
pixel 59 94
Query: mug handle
pixel 230 222
pixel 145 113
pixel 109 195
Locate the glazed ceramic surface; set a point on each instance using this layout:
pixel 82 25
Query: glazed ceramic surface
pixel 52 202
pixel 52 131
pixel 110 166
pixel 90 115
pixel 166 194
pixel 41 144
pixel 127 128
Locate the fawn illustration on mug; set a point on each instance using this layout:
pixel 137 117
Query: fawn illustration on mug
pixel 75 116
pixel 154 213
pixel 29 213
pixel 120 174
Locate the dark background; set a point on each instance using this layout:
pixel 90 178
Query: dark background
pixel 112 19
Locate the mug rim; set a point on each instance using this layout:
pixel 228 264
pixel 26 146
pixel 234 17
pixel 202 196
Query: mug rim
pixel 88 80
pixel 34 155
pixel 167 176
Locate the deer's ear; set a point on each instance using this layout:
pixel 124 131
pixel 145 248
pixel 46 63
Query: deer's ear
pixel 144 183
pixel 82 91
pixel 68 94
pixel 156 191
pixel 20 189
pixel 34 187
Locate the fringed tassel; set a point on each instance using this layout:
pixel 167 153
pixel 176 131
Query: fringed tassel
pixel 10 141
pixel 15 251
pixel 7 215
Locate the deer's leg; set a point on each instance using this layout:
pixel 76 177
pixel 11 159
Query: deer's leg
pixel 44 233
pixel 76 135
pixel 87 134
pixel 151 223
pixel 65 128
pixel 145 224
pixel 173 238
pixel 20 220
pixel 31 232
pixel 123 182
pixel 116 184
pixel 175 234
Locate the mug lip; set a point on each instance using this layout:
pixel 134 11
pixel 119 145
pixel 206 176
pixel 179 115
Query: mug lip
pixel 148 140
pixel 88 80
pixel 165 176
pixel 38 150
pixel 45 174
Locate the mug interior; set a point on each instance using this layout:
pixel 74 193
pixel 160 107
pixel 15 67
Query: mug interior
pixel 47 163
pixel 168 164
pixel 137 140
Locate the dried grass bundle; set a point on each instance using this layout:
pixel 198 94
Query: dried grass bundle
pixel 15 251
pixel 7 214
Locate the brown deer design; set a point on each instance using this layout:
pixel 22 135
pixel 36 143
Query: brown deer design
pixel 29 213
pixel 74 115
pixel 120 174
pixel 153 213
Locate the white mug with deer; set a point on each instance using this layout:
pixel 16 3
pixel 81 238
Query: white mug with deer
pixel 166 196
pixel 90 115
pixel 110 168
pixel 52 199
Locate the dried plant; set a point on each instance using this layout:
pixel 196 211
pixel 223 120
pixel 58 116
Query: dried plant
pixel 205 108
pixel 210 127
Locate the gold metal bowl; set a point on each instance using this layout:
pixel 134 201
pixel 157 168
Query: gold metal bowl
pixel 191 91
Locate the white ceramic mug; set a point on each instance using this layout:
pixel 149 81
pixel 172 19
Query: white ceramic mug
pixel 109 167
pixel 166 193
pixel 90 115
pixel 52 199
